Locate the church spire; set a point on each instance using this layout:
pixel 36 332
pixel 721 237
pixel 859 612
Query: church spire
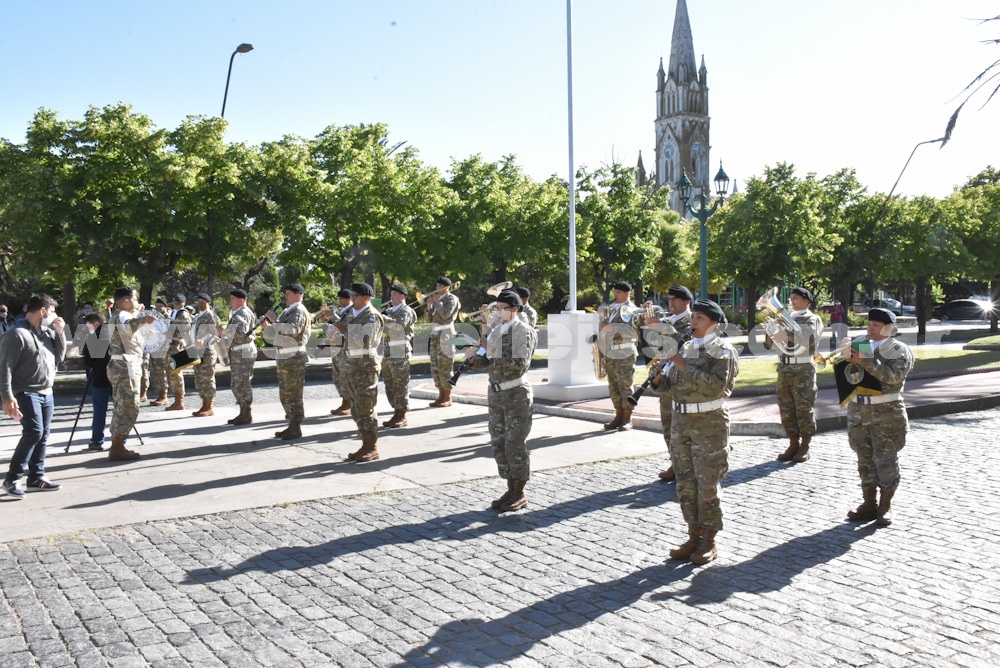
pixel 661 77
pixel 682 67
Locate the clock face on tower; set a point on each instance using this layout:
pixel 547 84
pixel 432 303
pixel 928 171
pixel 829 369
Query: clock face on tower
pixel 696 149
pixel 670 151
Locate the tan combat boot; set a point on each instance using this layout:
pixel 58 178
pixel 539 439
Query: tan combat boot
pixel 369 449
pixel 160 400
pixel 868 510
pixel 294 430
pixel 802 454
pixel 398 419
pixel 518 499
pixel 793 447
pixel 617 420
pixel 437 402
pixel 626 421
pixel 178 404
pixel 206 408
pixel 243 418
pixel 344 408
pixel 707 550
pixel 883 516
pixel 668 475
pixel 445 397
pixel 687 548
pixel 505 497
pixel 119 453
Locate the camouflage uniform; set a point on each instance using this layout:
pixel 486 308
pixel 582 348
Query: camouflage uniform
pixel 508 357
pixel 364 333
pixel 181 327
pixel 398 349
pixel 530 316
pixel 289 336
pixel 124 371
pixel 877 432
pixel 203 326
pixel 338 360
pixel 144 380
pixel 242 354
pixel 699 442
pixel 617 345
pixel 797 374
pixel 675 329
pixel 159 365
pixel 442 316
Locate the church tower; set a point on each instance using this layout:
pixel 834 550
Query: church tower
pixel 682 114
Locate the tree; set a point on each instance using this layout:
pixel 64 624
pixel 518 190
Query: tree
pixel 848 212
pixel 980 199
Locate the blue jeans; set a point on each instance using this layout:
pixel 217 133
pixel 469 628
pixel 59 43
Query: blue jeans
pixel 36 411
pixel 99 398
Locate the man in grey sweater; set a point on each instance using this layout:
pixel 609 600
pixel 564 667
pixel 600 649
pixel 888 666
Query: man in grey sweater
pixel 29 354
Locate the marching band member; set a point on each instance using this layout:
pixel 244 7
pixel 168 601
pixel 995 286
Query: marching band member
pixel 616 340
pixel 362 326
pixel 159 363
pixel 338 362
pixel 204 326
pixel 528 313
pixel 289 333
pixel 180 325
pixel 507 355
pixel 797 387
pixel 674 326
pixel 877 425
pixel 124 371
pixel 701 376
pixel 442 308
pixel 400 320
pixel 238 337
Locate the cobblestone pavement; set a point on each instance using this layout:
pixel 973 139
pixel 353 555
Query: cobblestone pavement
pixel 428 577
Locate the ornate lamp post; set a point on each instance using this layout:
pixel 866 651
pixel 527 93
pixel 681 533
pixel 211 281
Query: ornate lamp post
pixel 702 214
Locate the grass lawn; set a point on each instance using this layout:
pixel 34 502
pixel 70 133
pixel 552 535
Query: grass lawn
pixel 760 371
pixel 987 340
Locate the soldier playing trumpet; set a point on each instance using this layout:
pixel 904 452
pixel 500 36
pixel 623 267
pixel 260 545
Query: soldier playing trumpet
pixel 338 362
pixel 442 309
pixel 239 340
pixel 616 341
pixel 400 320
pixel 204 326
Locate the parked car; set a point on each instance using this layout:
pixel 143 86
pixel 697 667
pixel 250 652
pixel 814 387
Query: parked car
pixel 888 304
pixel 961 309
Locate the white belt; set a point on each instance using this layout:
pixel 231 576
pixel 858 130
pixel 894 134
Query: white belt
pixel 361 352
pixel 702 407
pixel 397 343
pixel 126 358
pixel 441 328
pixel 297 349
pixel 243 346
pixel 883 399
pixel 507 384
pixel 795 360
pixel 621 346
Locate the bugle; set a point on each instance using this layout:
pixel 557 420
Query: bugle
pixel 633 399
pixel 836 356
pixel 480 315
pixel 422 298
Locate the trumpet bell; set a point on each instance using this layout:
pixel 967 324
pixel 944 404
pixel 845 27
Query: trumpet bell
pixel 495 290
pixel 769 302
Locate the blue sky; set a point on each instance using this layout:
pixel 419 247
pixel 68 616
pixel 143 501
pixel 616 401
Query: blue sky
pixel 823 85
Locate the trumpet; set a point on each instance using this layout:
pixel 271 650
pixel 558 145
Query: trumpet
pixel 835 357
pixel 422 298
pixel 481 315
pixel 628 313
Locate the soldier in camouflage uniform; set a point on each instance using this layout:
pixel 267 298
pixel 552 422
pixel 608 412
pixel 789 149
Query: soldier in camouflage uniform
pixel 400 320
pixel 796 373
pixel 124 371
pixel 877 425
pixel 362 328
pixel 159 364
pixel 338 361
pixel 180 325
pixel 700 378
pixel 204 326
pixel 289 334
pixel 442 309
pixel 673 327
pixel 507 355
pixel 529 313
pixel 616 340
pixel 239 340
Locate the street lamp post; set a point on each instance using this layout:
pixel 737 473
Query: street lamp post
pixel 242 48
pixel 702 214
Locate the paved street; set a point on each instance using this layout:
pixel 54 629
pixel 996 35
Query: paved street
pixel 424 575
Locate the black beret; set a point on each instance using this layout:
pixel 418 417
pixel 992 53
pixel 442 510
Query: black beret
pixel 362 289
pixel 882 315
pixel 161 300
pixel 344 293
pixel 804 293
pixel 123 292
pixel 296 288
pixel 510 297
pixel 621 285
pixel 681 292
pixel 401 289
pixel 239 293
pixel 709 308
pixel 204 296
pixel 180 298
pixel 443 280
pixel 523 293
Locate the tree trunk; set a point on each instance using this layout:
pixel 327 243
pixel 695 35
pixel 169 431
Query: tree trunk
pixel 751 295
pixel 921 309
pixel 69 306
pixel 995 298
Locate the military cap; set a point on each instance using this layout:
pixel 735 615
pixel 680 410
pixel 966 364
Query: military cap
pixel 296 288
pixel 123 292
pixel 401 289
pixel 523 293
pixel 180 298
pixel 239 293
pixel 161 300
pixel 510 297
pixel 882 315
pixel 680 292
pixel 804 293
pixel 709 308
pixel 443 280
pixel 622 285
pixel 344 293
pixel 362 289
pixel 204 297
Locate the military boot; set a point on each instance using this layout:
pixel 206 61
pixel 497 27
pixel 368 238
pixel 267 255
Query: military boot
pixel 867 510
pixel 617 421
pixel 294 430
pixel 119 453
pixel 206 408
pixel 369 449
pixel 668 475
pixel 344 408
pixel 802 454
pixel 245 417
pixel 793 447
pixel 160 400
pixel 706 550
pixel 398 419
pixel 686 549
pixel 178 404
pixel 498 503
pixel 883 517
pixel 445 397
pixel 437 402
pixel 626 421
pixel 517 499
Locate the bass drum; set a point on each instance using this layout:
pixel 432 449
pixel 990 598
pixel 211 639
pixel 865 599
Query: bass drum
pixel 154 334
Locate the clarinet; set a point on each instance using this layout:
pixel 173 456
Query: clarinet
pixel 633 399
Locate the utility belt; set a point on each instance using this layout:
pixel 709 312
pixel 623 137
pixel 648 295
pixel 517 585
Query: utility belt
pixel 621 346
pixel 699 407
pixel 443 328
pixel 795 360
pixel 507 384
pixel 362 352
pixel 126 358
pixel 881 399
